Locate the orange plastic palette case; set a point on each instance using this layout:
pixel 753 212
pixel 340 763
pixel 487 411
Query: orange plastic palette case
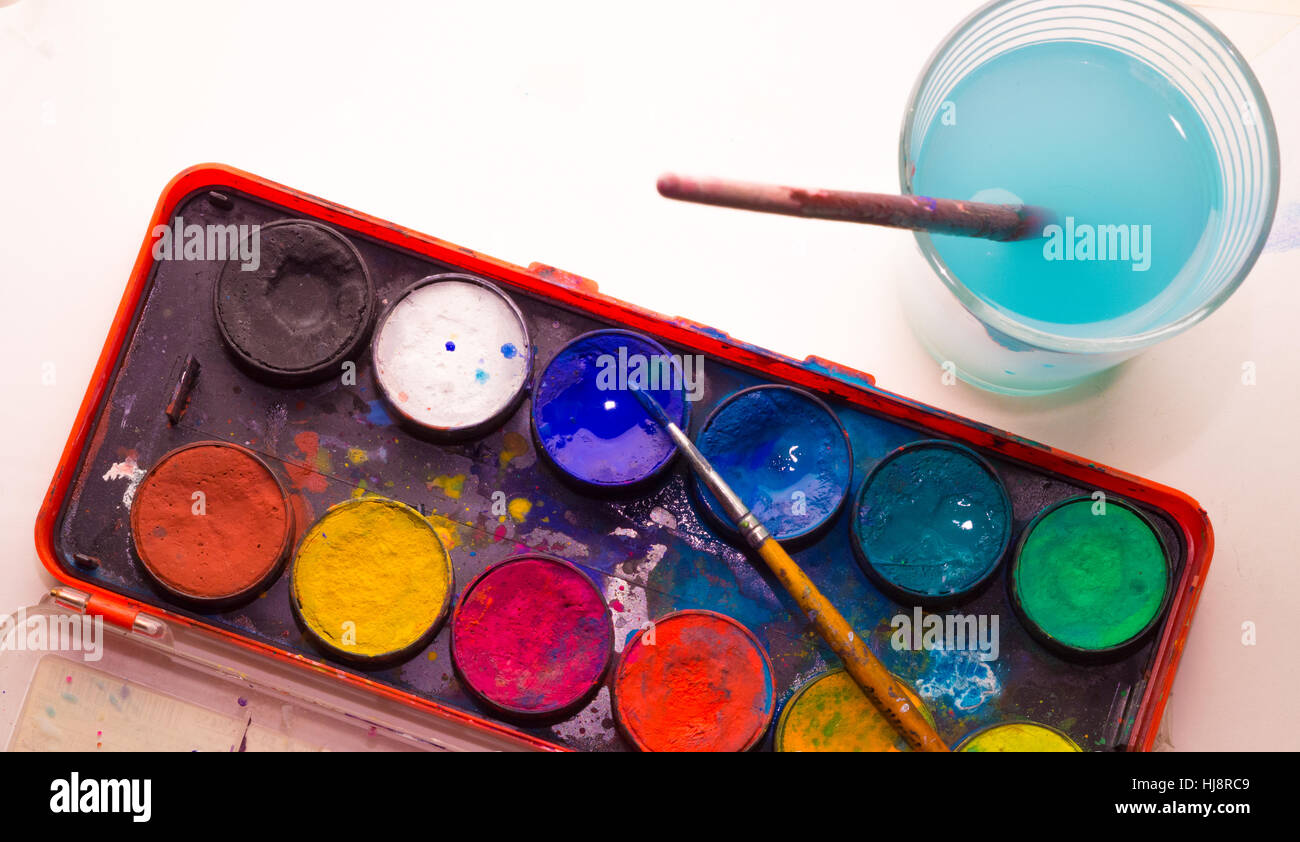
pixel 326 430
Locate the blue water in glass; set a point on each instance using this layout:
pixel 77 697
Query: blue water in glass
pixel 1090 133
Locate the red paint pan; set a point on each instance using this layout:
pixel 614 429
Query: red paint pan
pixel 695 681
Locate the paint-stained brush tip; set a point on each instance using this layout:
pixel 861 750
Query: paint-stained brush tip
pixel 1033 220
pixel 669 185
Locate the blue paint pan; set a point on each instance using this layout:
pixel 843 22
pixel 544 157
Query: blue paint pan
pixel 784 452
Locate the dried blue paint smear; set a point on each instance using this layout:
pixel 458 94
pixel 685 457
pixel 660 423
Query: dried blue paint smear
pixel 684 579
pixel 784 453
pixel 376 415
pixel 958 678
pixel 588 422
pixel 931 521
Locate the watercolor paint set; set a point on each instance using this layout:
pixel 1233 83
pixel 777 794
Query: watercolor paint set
pixel 401 471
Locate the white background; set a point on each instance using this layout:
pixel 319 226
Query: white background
pixel 535 132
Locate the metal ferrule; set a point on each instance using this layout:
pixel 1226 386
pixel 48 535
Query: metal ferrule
pixel 751 529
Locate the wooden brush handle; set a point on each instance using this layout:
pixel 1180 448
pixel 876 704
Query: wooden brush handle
pixel 939 216
pixel 865 667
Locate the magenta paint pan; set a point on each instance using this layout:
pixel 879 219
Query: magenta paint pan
pixel 532 637
pixel 452 357
pixel 301 310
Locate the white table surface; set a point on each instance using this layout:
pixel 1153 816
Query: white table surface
pixel 535 132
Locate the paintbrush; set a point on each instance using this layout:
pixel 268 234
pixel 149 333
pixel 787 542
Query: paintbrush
pixel 938 216
pixel 877 682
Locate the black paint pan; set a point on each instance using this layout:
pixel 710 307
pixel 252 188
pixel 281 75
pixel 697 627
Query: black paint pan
pixel 300 309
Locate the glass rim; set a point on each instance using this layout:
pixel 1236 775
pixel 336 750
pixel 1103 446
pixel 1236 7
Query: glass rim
pixel 991 316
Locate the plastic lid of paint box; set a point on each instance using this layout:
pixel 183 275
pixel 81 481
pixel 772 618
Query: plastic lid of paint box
pixel 1053 641
pixel 492 416
pixel 169 686
pixel 590 646
pixel 434 617
pixel 311 293
pixel 169 582
pixel 609 472
pixel 910 595
pixel 837 439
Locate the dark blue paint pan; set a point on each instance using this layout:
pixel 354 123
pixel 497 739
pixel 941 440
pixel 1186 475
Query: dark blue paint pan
pixel 589 425
pixel 785 453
